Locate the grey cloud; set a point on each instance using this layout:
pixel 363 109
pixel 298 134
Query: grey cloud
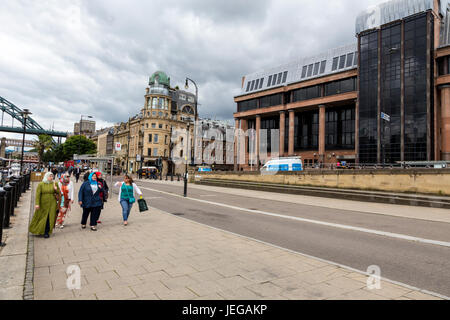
pixel 95 57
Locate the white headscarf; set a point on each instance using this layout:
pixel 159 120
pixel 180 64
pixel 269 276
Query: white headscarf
pixel 45 180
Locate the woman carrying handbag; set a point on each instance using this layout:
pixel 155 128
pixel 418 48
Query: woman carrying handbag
pixel 126 196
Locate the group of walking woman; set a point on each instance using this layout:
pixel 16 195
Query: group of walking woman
pixel 54 200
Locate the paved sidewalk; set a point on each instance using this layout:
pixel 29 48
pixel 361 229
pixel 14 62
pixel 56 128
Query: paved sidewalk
pixel 13 256
pixel 162 256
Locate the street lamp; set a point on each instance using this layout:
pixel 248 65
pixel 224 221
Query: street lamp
pixel 186 86
pixel 24 114
pixel 185 157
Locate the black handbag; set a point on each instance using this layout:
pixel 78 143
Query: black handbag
pixel 142 205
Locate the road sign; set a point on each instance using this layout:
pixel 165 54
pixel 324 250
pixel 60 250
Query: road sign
pixel 118 146
pixel 385 117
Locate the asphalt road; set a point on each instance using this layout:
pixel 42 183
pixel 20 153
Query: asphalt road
pixel 418 264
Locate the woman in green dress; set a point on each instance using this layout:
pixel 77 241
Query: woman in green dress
pixel 46 204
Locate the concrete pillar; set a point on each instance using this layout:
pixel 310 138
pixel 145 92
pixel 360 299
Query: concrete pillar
pixel 244 127
pixel 321 133
pixel 445 123
pixel 258 140
pixel 282 133
pixel 291 132
pixel 3 148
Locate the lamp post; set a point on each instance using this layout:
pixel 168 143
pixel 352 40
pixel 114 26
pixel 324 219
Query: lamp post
pixel 24 114
pixel 185 157
pixel 186 85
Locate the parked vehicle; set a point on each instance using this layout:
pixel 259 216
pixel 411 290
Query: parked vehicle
pixel 204 169
pixel 284 164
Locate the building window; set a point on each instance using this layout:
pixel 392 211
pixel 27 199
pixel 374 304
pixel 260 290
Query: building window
pixel 165 139
pixel 307 93
pixel 285 76
pixel 306 132
pixel 182 96
pixel 305 68
pixel 252 85
pixel 247 105
pixel 310 70
pixel 149 151
pixel 155 140
pixel 335 64
pixel 349 60
pixel 261 82
pixel 342 62
pixel 269 101
pixel 340 128
pixel 153 125
pixel 279 77
pixel 322 66
pixel 155 152
pixel 154 102
pixel 256 84
pixel 274 79
pixel 160 114
pixel 268 124
pixel 161 103
pixel 146 125
pixel 316 68
pixel 154 113
pixel 248 86
pixel 191 99
pixel 160 126
pixel 150 138
pixel 340 86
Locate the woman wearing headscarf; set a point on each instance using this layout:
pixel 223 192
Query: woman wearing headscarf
pixel 46 204
pixel 126 196
pixel 89 200
pixel 104 193
pixel 66 187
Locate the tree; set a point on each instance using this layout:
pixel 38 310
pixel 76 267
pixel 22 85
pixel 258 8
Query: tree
pixel 78 145
pixel 42 145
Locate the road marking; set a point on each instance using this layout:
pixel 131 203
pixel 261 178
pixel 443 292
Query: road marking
pixel 316 258
pixel 328 224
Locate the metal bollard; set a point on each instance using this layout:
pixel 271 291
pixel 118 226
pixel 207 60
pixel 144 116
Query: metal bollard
pixel 13 184
pixel 23 177
pixel 8 205
pixel 2 215
pixel 17 180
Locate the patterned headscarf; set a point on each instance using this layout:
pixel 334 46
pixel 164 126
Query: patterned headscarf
pixel 98 174
pixel 46 176
pixel 65 179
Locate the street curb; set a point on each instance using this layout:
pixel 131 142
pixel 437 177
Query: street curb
pixel 28 288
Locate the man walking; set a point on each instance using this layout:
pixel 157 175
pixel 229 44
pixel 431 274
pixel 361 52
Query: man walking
pixel 77 172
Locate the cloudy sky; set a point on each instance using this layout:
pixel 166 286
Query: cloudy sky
pixel 66 58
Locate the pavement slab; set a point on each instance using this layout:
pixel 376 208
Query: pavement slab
pixel 164 256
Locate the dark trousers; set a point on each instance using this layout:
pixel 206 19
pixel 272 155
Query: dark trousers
pixel 77 176
pixel 94 213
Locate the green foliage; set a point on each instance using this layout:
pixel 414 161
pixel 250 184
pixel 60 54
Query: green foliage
pixel 78 145
pixel 42 145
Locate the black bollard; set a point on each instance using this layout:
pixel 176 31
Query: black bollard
pixel 24 185
pixel 17 191
pixel 8 205
pixel 178 175
pixel 13 184
pixel 2 215
pixel 27 181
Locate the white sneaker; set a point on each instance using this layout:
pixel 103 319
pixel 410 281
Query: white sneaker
pixel 61 226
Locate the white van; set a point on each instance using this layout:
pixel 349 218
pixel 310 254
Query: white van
pixel 284 164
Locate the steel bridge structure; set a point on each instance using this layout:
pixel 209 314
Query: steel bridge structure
pixel 32 127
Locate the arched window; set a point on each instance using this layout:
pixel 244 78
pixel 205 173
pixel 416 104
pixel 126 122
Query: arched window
pixel 154 103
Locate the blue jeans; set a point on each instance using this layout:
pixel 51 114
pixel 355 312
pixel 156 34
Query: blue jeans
pixel 126 208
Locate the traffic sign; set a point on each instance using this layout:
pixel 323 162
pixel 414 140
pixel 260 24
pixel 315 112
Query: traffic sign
pixel 385 117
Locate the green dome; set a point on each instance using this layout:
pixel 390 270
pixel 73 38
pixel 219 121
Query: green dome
pixel 159 77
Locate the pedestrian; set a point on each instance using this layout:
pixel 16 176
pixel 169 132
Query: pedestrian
pixel 89 200
pixel 55 172
pixel 140 173
pixel 46 204
pixel 77 173
pixel 104 193
pixel 66 187
pixel 126 196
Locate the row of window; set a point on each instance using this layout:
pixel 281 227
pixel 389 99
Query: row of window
pixel 264 102
pixel 155 152
pixel 154 138
pixel 158 103
pixel 274 79
pixel 161 114
pixel 183 97
pixel 314 69
pixel 345 61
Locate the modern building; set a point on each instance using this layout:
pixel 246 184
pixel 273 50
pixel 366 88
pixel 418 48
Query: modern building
pixel 383 99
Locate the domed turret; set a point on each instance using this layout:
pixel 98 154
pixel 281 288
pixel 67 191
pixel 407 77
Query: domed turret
pixel 159 78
